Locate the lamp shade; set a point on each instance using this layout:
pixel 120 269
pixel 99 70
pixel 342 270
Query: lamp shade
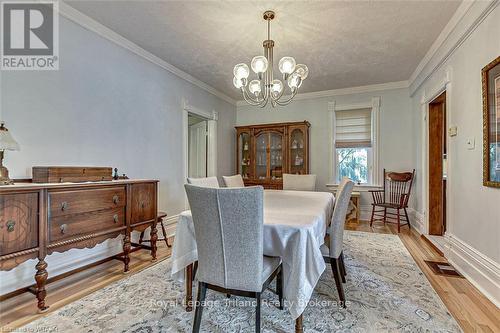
pixel 7 142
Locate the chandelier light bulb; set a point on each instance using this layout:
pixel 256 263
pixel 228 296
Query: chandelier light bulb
pixel 259 64
pixel 277 87
pixel 302 71
pixel 238 83
pixel 254 87
pixel 294 81
pixel 287 65
pixel 241 71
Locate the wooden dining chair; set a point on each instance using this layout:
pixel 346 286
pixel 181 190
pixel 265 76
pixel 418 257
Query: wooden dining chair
pixel 204 182
pixel 394 196
pixel 233 181
pixel 299 182
pixel 332 251
pixel 229 224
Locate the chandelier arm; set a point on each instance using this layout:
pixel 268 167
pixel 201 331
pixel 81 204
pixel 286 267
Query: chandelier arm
pixel 249 99
pixel 286 102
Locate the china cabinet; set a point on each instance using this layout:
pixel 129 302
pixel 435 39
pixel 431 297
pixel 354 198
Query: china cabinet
pixel 266 151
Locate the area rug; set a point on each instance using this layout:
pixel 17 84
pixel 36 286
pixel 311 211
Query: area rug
pixel 386 290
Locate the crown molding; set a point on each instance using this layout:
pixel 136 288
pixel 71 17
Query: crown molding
pixel 450 39
pixel 90 24
pixel 345 91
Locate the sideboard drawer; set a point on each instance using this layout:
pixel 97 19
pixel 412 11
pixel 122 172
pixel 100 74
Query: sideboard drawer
pixel 82 201
pixel 64 227
pixel 143 202
pixel 18 222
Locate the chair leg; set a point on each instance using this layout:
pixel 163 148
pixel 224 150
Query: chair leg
pixel 343 273
pixel 141 237
pixel 373 214
pixel 164 234
pixel 279 287
pixel 257 313
pixel 195 269
pixel 385 215
pixel 407 219
pixel 202 293
pixel 336 274
pixel 399 222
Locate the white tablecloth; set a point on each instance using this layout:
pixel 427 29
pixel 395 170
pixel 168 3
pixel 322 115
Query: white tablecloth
pixel 294 229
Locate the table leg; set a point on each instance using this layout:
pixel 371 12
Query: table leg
pixel 299 327
pixel 189 288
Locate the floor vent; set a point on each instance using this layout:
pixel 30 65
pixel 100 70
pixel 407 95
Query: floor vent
pixel 443 268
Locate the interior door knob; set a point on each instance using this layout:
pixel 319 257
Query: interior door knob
pixel 10 225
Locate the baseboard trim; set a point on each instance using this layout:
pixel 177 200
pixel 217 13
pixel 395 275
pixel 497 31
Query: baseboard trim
pixel 481 271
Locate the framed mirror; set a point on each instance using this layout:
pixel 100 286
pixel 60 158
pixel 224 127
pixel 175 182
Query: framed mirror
pixel 491 123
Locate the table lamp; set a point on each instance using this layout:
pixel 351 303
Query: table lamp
pixel 7 142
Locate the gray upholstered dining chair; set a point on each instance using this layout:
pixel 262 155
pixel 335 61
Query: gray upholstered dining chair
pixel 299 182
pixel 332 252
pixel 233 181
pixel 229 224
pixel 204 182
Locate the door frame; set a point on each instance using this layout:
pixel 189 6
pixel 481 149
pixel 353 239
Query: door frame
pixel 428 96
pixel 212 117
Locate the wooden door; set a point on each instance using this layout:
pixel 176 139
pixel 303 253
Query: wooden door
pixel 298 150
pixel 244 154
pixel 437 169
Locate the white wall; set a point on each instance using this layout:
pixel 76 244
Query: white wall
pixel 107 107
pixel 473 218
pixel 396 148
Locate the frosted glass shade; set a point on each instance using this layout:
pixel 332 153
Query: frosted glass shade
pixel 302 71
pixel 241 71
pixel 7 142
pixel 276 87
pixel 294 81
pixel 287 65
pixel 238 83
pixel 254 87
pixel 259 64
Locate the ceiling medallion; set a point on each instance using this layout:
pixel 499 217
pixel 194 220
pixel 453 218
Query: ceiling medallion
pixel 266 88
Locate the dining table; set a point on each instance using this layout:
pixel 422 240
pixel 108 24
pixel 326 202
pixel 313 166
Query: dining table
pixel 295 224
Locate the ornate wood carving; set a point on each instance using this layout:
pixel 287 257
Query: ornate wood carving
pixel 77 216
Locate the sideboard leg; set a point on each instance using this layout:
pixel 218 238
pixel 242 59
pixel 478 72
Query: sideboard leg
pixel 189 288
pixel 154 238
pixel 41 278
pixel 126 251
pixel 299 327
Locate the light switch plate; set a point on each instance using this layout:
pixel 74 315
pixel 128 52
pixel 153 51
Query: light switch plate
pixel 453 130
pixel 471 143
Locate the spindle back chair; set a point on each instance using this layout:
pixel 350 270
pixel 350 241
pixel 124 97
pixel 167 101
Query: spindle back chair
pixel 394 196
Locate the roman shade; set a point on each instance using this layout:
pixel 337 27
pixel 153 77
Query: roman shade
pixel 353 128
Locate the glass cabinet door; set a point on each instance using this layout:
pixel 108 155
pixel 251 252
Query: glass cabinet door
pixel 297 152
pixel 261 156
pixel 276 155
pixel 244 160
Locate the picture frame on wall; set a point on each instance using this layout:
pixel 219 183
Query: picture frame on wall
pixel 491 123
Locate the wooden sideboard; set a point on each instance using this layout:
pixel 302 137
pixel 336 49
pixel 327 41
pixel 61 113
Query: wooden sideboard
pixel 39 219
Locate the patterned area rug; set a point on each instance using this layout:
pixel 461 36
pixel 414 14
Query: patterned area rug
pixel 386 291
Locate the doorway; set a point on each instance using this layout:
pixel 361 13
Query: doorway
pixel 437 157
pixel 197 146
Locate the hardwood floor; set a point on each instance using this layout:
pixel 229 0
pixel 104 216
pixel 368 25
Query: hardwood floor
pixel 473 311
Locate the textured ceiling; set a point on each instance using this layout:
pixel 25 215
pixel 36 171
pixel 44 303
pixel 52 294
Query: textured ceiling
pixel 344 43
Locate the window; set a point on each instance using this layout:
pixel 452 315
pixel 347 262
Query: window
pixel 353 137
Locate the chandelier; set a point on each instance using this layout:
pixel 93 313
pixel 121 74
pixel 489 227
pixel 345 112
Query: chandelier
pixel 266 88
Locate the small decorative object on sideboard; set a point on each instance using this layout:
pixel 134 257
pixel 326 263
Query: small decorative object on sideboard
pixel 7 142
pixel 117 177
pixel 71 174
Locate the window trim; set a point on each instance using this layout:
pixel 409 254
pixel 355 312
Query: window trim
pixel 374 104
